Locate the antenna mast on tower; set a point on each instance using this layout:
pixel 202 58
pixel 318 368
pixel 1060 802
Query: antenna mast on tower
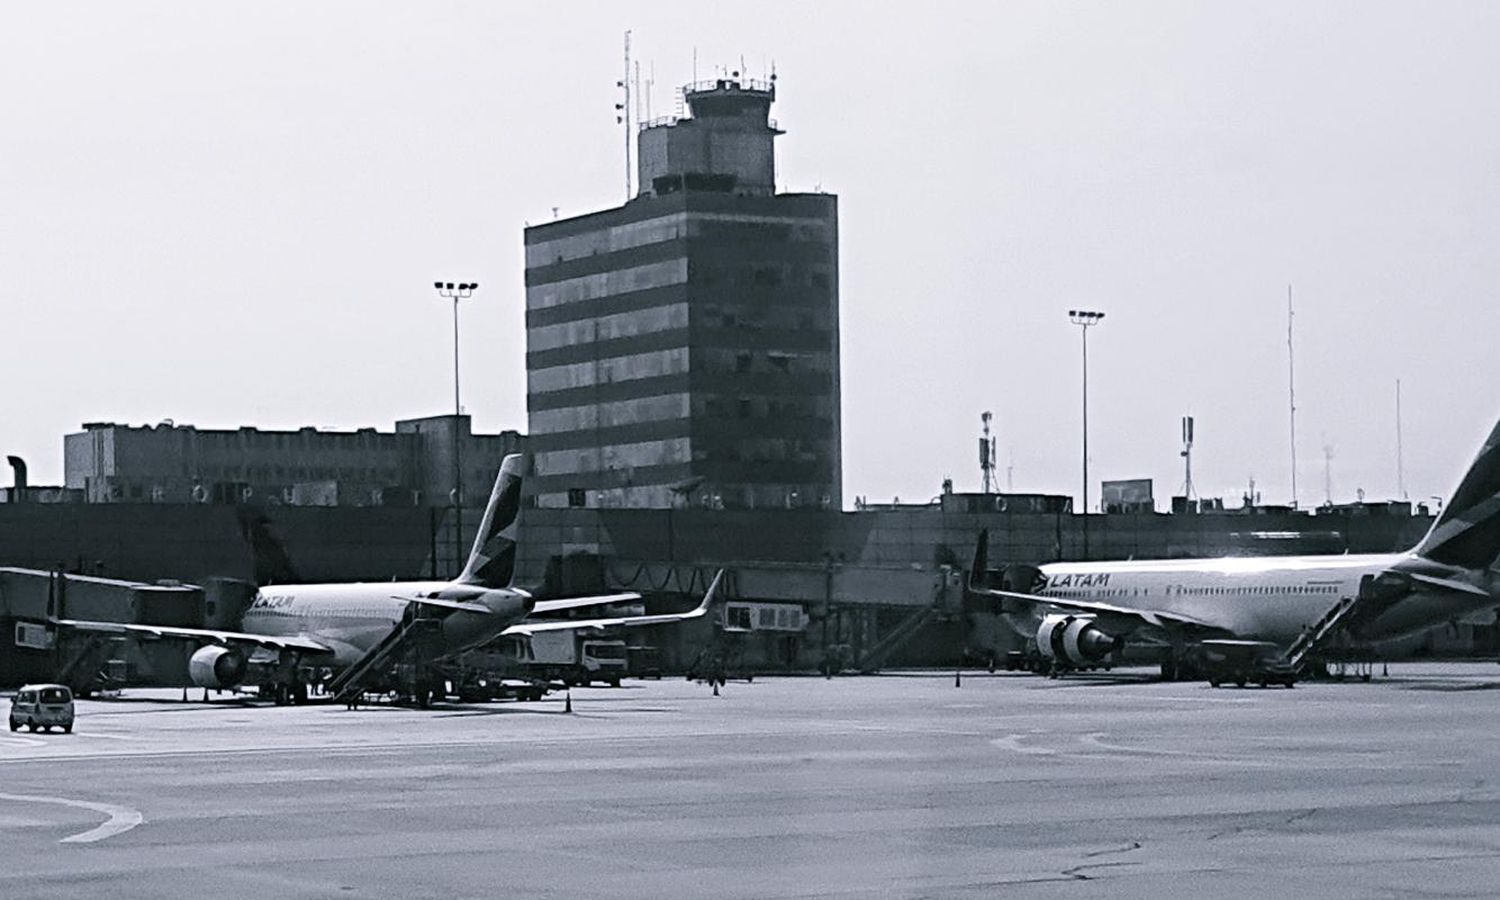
pixel 1187 458
pixel 1328 473
pixel 1400 462
pixel 623 115
pixel 987 454
pixel 1291 391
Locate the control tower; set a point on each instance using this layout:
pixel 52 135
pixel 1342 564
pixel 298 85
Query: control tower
pixel 683 348
pixel 724 145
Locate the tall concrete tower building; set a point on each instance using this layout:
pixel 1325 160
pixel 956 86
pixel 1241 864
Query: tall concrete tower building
pixel 683 349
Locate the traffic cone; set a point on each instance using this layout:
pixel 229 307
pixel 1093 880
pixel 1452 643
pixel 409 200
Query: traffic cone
pixel 568 703
pixel 716 687
pixel 184 695
pixel 1385 670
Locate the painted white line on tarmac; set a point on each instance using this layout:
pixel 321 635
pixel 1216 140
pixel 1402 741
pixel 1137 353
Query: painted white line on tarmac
pixel 121 818
pixel 1013 742
pixel 1097 741
pixel 23 741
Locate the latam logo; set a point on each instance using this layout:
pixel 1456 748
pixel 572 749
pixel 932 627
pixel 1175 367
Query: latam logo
pixel 272 602
pixel 1077 580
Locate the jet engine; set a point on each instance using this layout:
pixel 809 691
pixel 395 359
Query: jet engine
pixel 1074 640
pixel 217 667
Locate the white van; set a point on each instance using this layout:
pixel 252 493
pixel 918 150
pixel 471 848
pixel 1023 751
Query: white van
pixel 40 706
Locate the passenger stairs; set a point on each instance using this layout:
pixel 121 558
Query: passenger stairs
pixel 1321 632
pixel 414 640
pixel 897 638
pixel 91 668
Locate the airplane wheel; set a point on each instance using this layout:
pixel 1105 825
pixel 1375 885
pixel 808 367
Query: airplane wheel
pixel 32 726
pixel 14 725
pixel 1213 682
pixel 67 729
pixel 1239 682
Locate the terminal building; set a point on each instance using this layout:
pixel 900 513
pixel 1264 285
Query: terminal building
pixel 682 349
pixel 170 463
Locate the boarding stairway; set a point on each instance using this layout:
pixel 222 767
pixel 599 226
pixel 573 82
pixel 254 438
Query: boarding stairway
pixel 1320 634
pixel 91 667
pixel 897 638
pixel 415 641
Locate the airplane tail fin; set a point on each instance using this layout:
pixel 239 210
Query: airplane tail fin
pixel 1467 533
pixel 492 562
pixel 273 565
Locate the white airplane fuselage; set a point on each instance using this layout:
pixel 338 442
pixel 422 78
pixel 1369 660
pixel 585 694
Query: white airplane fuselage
pixel 352 618
pixel 1265 598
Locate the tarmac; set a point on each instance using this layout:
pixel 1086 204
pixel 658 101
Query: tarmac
pixel 899 786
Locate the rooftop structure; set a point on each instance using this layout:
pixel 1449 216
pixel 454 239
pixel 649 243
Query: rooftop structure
pixel 171 463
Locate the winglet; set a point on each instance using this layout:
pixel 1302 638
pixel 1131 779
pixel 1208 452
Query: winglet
pixel 978 576
pixel 710 596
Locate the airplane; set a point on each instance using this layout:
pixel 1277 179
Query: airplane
pixel 1079 613
pixel 359 629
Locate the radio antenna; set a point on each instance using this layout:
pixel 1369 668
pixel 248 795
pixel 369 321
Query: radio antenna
pixel 1291 390
pixel 1400 461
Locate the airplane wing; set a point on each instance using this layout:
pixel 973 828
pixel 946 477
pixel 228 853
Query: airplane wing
pixel 272 642
pixel 543 606
pixel 460 605
pixel 709 597
pixel 1153 618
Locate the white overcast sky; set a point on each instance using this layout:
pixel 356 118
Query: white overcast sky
pixel 232 213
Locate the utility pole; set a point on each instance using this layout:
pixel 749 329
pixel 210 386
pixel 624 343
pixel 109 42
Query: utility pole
pixel 1085 319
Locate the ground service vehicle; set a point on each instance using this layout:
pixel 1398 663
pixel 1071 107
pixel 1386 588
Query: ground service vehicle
pixel 573 657
pixel 39 706
pixel 1244 662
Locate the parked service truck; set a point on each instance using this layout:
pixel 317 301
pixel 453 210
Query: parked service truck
pixel 575 657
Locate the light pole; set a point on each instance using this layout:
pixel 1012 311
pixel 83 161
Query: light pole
pixel 456 292
pixel 1084 319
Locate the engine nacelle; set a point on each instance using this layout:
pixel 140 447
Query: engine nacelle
pixel 217 667
pixel 1074 640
